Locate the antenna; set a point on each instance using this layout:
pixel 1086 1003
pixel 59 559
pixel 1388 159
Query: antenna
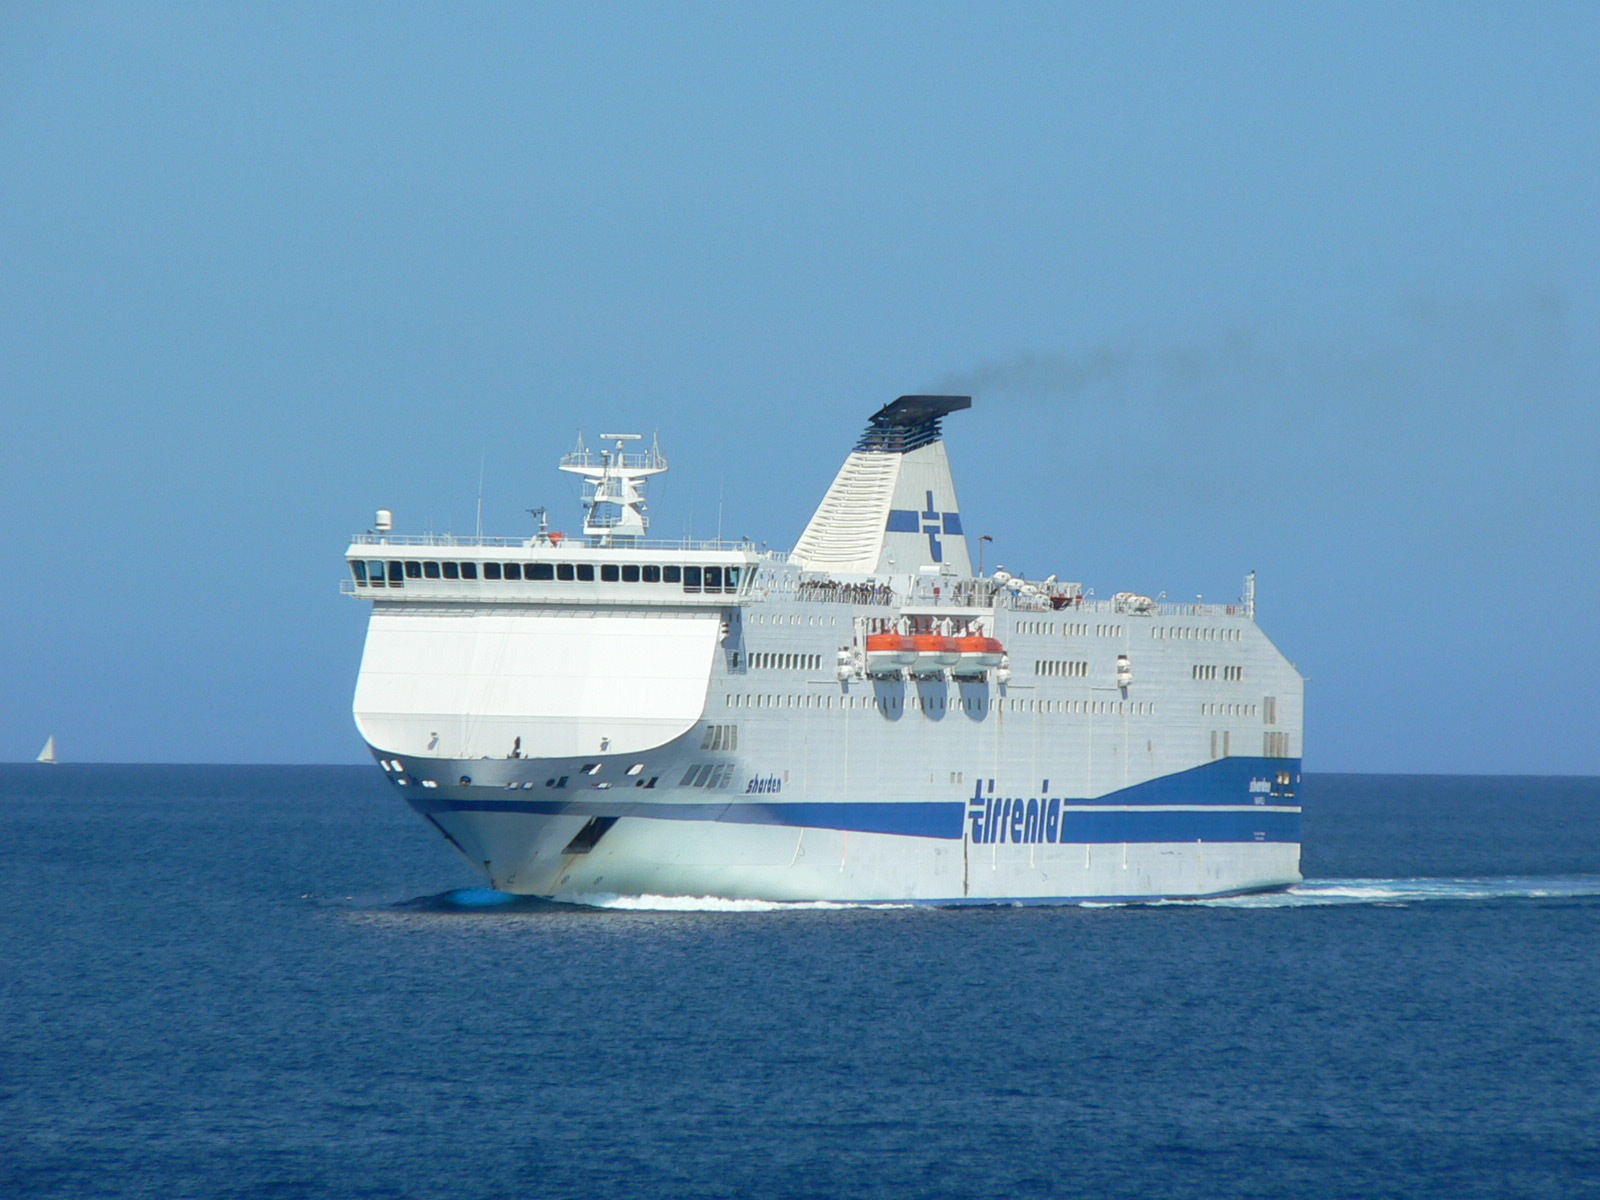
pixel 483 458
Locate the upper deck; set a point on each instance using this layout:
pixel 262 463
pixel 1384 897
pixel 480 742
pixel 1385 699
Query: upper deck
pixel 544 569
pixel 887 535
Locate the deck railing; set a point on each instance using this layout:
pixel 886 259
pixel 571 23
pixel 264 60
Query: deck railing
pixel 443 540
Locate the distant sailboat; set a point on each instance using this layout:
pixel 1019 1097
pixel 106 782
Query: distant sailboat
pixel 48 754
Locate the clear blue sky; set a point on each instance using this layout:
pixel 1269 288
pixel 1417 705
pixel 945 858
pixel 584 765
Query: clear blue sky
pixel 1310 289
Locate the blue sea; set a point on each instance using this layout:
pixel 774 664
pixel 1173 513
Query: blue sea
pixel 277 982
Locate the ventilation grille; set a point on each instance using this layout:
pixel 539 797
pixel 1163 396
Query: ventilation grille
pixel 847 528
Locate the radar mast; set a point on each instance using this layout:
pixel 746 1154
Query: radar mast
pixel 613 488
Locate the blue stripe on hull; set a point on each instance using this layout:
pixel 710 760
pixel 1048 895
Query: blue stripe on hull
pixel 1260 826
pixel 1224 782
pixel 912 818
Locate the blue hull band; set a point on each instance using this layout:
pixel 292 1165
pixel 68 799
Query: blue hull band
pixel 991 815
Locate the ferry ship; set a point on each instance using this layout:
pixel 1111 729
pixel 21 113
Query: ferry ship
pixel 864 718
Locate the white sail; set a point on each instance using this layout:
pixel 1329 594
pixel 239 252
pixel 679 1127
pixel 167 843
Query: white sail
pixel 48 754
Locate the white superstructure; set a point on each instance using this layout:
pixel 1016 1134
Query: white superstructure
pixel 861 719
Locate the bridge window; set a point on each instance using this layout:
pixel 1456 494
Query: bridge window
pixel 469 570
pixel 652 574
pixel 359 570
pixel 713 579
pixel 539 571
pixel 513 570
pixel 452 570
pixel 585 572
pixel 731 574
pixel 413 570
pixel 691 579
pixel 375 573
pixel 630 574
pixel 671 574
pixel 564 572
pixel 430 570
pixel 609 573
pixel 397 574
pixel 491 570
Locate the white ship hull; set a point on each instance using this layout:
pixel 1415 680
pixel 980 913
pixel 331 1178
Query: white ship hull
pixel 645 857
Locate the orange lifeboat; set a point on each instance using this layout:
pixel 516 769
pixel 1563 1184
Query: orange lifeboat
pixel 888 652
pixel 935 652
pixel 978 654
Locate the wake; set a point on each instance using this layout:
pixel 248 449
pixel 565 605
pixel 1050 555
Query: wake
pixel 1313 893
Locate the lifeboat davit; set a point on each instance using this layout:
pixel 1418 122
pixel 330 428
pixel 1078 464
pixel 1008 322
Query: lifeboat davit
pixel 889 652
pixel 978 654
pixel 935 653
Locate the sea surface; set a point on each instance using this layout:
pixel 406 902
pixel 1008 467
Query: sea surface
pixel 276 982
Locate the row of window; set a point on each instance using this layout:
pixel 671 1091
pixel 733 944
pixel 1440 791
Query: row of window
pixel 1070 629
pixel 1066 629
pixel 1228 710
pixel 1133 708
pixel 785 662
pixel 708 775
pixel 757 700
pixel 1212 671
pixel 1201 634
pixel 1274 744
pixel 1060 669
pixel 720 737
pixel 1105 708
pixel 794 619
pixel 378 573
pixel 559 781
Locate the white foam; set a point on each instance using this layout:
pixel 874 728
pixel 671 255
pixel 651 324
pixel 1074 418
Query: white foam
pixel 708 903
pixel 1310 894
pixel 1321 892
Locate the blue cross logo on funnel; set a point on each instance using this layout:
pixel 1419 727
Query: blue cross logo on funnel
pixel 930 521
